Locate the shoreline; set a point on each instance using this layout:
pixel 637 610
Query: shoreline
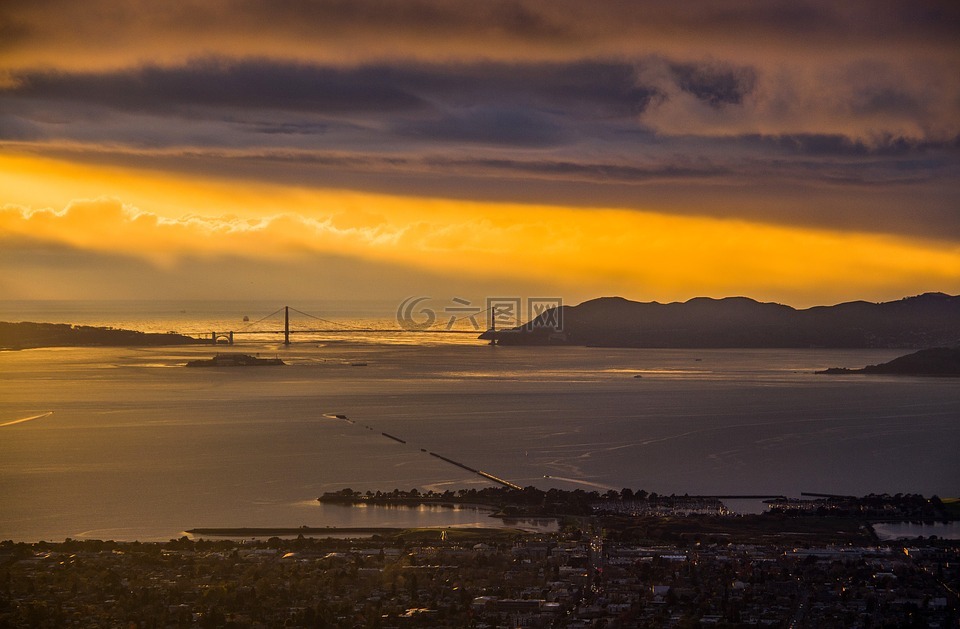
pixel 340 531
pixel 286 531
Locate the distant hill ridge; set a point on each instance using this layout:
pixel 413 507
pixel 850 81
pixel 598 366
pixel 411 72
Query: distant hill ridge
pixel 927 320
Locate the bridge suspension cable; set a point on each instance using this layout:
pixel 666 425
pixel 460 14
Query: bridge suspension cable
pixel 343 325
pixel 450 322
pixel 252 327
pixel 261 320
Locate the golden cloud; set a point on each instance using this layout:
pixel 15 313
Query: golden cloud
pixel 633 253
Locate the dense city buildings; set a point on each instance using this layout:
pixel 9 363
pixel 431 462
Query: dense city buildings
pixel 580 577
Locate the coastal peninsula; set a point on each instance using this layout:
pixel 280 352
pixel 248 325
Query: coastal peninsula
pixel 938 361
pixel 531 502
pixel 29 335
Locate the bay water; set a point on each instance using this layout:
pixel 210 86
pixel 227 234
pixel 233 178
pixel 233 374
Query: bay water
pixel 128 443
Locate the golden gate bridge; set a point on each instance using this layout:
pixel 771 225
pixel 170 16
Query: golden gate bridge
pixel 337 327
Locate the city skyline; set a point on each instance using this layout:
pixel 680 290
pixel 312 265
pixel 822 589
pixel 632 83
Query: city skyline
pixel 804 153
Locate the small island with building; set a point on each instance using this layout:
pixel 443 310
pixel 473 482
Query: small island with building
pixel 235 360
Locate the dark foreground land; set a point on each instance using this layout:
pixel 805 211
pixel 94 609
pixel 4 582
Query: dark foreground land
pixel 632 559
pixel 606 571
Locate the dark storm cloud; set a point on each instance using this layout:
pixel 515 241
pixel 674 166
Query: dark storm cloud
pixel 714 85
pixel 300 167
pixel 836 145
pixel 886 100
pixel 534 105
pixel 528 25
pixel 12 32
pixel 289 128
pixel 489 125
pixel 18 129
pixel 423 17
pixel 857 174
pixel 481 174
pixel 511 104
pixel 589 87
pixel 237 85
pixel 596 172
pixel 610 87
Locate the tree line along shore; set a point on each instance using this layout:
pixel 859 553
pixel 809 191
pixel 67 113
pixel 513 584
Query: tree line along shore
pixel 535 502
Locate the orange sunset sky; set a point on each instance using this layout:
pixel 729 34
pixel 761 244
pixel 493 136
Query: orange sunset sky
pixel 800 152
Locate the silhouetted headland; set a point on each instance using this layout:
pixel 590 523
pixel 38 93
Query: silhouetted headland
pixel 928 320
pixel 27 335
pixel 938 361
